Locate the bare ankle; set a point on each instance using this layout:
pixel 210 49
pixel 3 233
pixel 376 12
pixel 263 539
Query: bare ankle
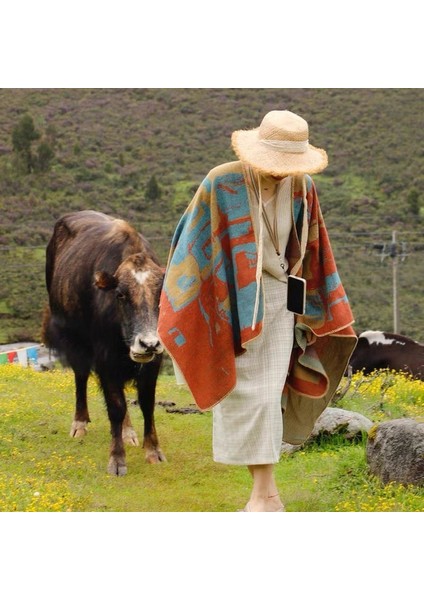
pixel 265 504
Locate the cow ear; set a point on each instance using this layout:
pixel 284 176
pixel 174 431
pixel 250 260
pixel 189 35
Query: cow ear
pixel 105 281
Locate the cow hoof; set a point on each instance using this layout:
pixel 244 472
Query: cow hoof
pixel 129 436
pixel 116 466
pixel 78 429
pixel 155 456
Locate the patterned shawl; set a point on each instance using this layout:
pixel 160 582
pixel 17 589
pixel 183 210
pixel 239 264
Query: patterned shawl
pixel 207 302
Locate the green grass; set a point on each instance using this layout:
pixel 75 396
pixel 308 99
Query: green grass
pixel 43 469
pixel 4 308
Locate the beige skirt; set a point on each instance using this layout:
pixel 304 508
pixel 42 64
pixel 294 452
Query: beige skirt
pixel 248 424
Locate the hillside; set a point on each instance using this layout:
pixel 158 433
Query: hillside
pixel 108 143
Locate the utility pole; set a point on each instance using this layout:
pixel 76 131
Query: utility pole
pixel 395 253
pixel 395 261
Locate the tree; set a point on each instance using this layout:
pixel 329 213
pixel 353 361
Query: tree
pixel 413 200
pixel 45 155
pixel 22 137
pixel 153 191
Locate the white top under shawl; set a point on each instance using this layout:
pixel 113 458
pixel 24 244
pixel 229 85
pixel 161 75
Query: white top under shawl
pixel 279 204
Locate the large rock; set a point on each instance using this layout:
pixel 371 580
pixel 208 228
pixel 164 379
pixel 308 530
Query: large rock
pixel 339 421
pixel 395 451
pixel 334 421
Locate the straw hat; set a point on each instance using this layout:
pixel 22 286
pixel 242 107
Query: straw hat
pixel 279 146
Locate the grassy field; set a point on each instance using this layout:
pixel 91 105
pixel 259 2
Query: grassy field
pixel 43 469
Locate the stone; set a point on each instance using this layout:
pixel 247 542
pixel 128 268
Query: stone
pixel 339 421
pixel 287 448
pixel 395 451
pixel 333 421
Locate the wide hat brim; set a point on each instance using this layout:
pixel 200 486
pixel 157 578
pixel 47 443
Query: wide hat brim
pixel 249 149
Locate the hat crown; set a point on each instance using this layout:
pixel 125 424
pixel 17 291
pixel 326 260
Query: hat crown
pixel 283 125
pixel 279 146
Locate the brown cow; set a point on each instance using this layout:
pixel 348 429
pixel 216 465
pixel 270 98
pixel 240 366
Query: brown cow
pixel 104 284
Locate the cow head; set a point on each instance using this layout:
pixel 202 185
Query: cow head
pixel 136 285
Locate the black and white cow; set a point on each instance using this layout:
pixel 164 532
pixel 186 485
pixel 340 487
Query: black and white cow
pixel 383 350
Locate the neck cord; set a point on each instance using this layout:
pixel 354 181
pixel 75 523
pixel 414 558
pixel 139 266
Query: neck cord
pixel 272 231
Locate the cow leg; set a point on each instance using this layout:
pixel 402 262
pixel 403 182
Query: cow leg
pixel 128 432
pixel 146 387
pixel 116 408
pixel 81 418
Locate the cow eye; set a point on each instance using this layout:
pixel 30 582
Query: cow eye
pixel 120 295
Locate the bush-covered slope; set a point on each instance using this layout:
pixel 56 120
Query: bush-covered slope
pixel 108 143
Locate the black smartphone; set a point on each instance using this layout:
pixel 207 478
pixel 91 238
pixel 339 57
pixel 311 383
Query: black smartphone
pixel 296 294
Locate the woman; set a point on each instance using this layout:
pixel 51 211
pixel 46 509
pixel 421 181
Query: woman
pixel 266 372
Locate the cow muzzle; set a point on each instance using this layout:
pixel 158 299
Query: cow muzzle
pixel 145 348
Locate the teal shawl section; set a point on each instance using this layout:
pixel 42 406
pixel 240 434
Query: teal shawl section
pixel 214 251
